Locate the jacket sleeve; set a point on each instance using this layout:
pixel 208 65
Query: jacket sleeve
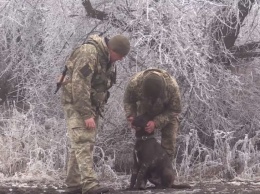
pixel 130 100
pixel 84 66
pixel 171 108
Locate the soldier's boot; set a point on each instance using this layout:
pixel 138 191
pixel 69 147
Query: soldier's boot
pixel 98 189
pixel 73 190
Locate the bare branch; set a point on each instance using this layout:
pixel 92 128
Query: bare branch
pixel 246 54
pixel 100 15
pixel 93 12
pixel 246 47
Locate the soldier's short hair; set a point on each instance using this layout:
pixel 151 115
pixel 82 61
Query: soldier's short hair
pixel 119 44
pixel 153 85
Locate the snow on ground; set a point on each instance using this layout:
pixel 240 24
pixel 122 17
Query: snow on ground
pixel 32 184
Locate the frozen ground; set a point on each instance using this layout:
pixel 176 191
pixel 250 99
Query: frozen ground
pixel 236 187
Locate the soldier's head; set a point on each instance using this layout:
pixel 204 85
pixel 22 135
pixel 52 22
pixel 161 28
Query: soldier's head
pixel 153 85
pixel 119 47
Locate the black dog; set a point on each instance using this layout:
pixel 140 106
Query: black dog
pixel 151 162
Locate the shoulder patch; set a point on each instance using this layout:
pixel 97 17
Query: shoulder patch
pixel 86 70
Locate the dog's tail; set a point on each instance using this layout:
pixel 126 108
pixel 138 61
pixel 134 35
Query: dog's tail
pixel 181 186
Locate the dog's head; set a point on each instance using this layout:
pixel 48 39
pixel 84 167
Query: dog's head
pixel 140 123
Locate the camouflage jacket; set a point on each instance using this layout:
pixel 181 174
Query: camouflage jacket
pixel 165 106
pixel 88 79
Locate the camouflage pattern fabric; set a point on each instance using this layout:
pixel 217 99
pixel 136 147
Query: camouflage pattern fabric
pixel 80 166
pixel 85 91
pixel 169 136
pixel 162 110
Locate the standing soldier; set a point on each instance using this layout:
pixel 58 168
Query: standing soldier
pixel 155 93
pixel 90 73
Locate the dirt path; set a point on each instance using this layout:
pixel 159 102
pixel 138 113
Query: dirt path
pixel 234 187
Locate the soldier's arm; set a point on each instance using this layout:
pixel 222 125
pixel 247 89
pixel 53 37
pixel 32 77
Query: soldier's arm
pixel 130 106
pixel 81 83
pixel 172 109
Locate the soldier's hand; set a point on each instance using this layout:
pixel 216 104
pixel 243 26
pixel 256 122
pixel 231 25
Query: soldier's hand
pixel 130 120
pixel 90 123
pixel 150 127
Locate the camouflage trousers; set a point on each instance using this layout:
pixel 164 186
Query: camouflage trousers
pixel 169 136
pixel 80 170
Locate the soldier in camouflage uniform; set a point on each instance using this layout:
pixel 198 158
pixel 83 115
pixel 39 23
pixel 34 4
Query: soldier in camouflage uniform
pixel 90 73
pixel 155 93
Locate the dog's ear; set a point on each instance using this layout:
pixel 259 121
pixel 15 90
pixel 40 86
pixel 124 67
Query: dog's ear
pixel 140 121
pixel 136 121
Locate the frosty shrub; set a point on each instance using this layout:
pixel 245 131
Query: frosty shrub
pixel 31 147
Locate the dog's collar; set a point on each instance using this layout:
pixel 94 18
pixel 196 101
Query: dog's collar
pixel 145 137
